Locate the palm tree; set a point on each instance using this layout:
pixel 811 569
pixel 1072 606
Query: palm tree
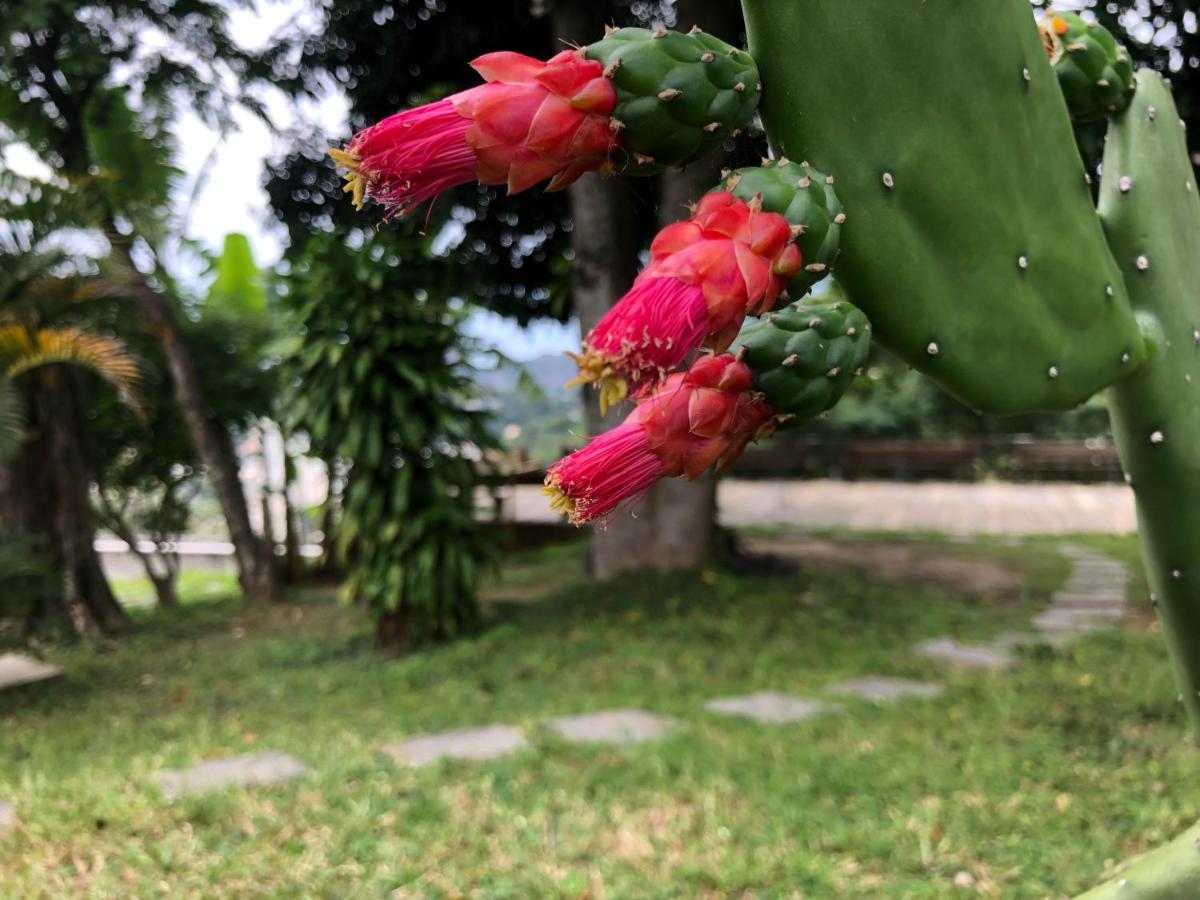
pixel 44 489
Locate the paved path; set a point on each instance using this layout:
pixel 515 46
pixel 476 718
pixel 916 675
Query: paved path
pixel 951 507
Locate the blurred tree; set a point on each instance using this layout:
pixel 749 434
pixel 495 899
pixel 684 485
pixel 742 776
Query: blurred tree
pixel 45 340
pixel 69 73
pixel 389 54
pixel 381 385
pixel 147 471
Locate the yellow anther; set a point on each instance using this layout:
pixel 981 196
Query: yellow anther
pixel 356 181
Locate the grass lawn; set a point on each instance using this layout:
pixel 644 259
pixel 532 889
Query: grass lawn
pixel 1030 782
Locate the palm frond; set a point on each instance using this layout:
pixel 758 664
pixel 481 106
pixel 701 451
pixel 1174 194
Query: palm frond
pixel 22 350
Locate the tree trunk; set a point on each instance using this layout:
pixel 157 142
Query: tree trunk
pixel 391 633
pixel 674 526
pixel 50 500
pixel 685 513
pixel 605 245
pixel 162 581
pixel 256 573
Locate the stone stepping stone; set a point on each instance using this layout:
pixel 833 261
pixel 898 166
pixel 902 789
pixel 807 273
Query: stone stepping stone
pixel 881 689
pixel 1071 600
pixel 8 817
pixel 17 669
pixel 613 726
pixel 489 742
pixel 769 708
pixel 985 657
pixel 251 770
pixel 1057 619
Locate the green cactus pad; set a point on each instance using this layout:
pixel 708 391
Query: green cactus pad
pixel 1151 211
pixel 805 357
pixel 1095 72
pixel 678 95
pixel 805 197
pixel 972 243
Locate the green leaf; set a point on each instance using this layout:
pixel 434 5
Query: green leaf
pixel 238 288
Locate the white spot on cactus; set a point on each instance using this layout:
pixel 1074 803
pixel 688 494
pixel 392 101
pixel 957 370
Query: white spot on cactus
pixel 1177 574
pixel 851 331
pixel 1026 74
pixel 1052 372
pixel 1108 291
pixel 1023 262
pixel 709 57
pixel 1125 357
pixel 804 182
pixel 814 323
pixel 1126 184
pixel 833 373
pixel 1102 83
pixel 740 86
pixel 889 181
pixel 829 179
pixel 1157 437
pixel 1143 263
pixel 791 360
pixel 839 219
pixel 1152 113
pixel 669 94
pixel 815 267
pixel 933 349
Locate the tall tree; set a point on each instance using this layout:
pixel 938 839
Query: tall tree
pixel 383 389
pixel 66 69
pixel 45 338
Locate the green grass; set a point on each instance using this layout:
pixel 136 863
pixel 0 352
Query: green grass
pixel 1033 781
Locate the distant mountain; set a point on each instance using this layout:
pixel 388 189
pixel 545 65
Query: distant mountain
pixel 549 372
pixel 532 409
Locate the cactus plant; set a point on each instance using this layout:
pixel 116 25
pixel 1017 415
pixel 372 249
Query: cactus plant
pixel 1094 71
pixel 973 246
pixel 703 417
pixel 972 243
pixel 806 198
pixel 635 101
pixel 1151 211
pixel 727 260
pixel 805 357
pixel 678 95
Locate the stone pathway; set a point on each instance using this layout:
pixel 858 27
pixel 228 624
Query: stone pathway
pixel 613 726
pixel 1093 597
pixel 236 771
pixel 769 708
pixel 489 742
pixel 881 689
pixel 16 669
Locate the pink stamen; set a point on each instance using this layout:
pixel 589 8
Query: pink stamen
pixel 653 329
pixel 615 467
pixel 411 157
